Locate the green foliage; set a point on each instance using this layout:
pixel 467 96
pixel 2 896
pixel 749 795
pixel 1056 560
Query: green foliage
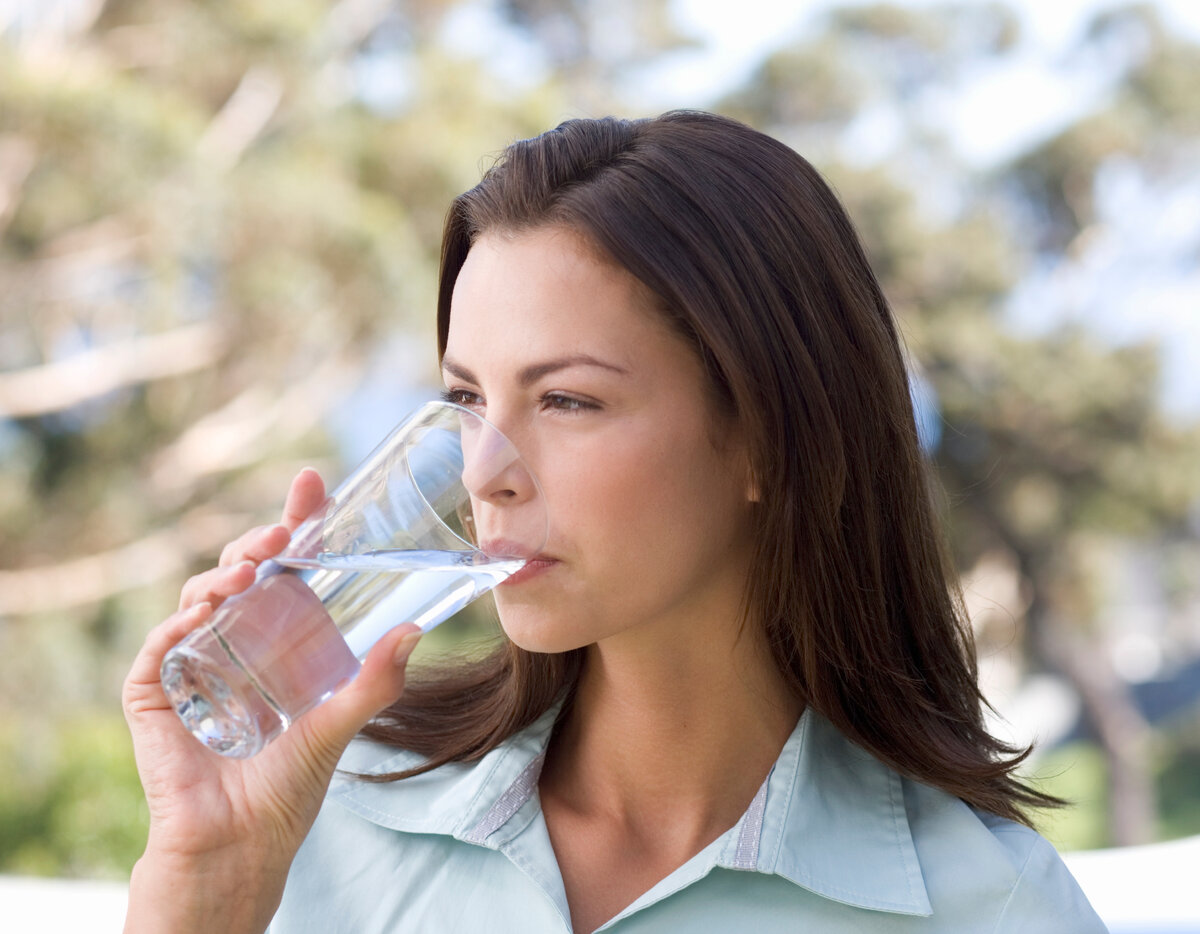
pixel 1075 773
pixel 70 800
pixel 797 86
pixel 1179 781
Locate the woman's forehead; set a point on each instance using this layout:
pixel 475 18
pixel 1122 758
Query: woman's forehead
pixel 547 279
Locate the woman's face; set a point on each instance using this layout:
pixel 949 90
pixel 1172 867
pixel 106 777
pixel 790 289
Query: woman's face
pixel 647 488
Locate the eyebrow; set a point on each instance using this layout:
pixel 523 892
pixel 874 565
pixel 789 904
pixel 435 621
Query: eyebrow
pixel 535 371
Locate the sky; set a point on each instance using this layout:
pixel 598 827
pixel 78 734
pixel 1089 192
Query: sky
pixel 1003 109
pixel 1138 281
pixel 735 35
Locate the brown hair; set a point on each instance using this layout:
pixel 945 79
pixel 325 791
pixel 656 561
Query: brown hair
pixel 759 268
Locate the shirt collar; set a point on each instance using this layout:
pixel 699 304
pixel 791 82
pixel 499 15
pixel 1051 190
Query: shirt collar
pixel 459 799
pixel 835 823
pixel 830 817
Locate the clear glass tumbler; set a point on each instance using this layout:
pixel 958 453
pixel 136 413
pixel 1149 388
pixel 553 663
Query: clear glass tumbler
pixel 442 511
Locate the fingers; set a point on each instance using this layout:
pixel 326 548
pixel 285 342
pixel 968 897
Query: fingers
pixel 146 666
pixel 379 683
pixel 381 679
pixel 306 495
pixel 215 585
pixel 239 559
pixel 257 545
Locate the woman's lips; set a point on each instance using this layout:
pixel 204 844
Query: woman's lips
pixel 507 548
pixel 532 568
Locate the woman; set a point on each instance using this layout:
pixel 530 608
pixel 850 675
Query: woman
pixel 738 694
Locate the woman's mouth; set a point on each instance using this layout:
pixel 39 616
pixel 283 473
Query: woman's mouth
pixel 533 567
pixel 505 548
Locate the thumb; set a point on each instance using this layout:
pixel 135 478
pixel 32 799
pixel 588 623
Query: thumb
pixel 379 683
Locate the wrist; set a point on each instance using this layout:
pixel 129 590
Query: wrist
pixel 182 894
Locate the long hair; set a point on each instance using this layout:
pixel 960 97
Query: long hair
pixel 759 269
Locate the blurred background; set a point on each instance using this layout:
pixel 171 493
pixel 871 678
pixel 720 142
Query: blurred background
pixel 219 228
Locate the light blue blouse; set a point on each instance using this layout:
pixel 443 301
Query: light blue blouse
pixel 834 841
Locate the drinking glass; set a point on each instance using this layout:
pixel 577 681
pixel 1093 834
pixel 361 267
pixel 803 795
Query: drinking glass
pixel 442 511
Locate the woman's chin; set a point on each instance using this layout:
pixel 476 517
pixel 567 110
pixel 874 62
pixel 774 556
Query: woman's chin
pixel 541 636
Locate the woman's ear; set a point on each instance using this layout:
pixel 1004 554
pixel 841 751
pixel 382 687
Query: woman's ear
pixel 753 487
pixel 742 464
pixel 753 490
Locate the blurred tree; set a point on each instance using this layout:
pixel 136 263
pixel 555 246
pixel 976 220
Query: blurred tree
pixel 211 217
pixel 1053 444
pixel 215 218
pixel 205 232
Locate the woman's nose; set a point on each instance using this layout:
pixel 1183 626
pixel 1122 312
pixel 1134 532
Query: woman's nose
pixel 493 471
pixel 508 513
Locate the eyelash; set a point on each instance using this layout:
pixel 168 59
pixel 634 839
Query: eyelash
pixel 555 401
pixel 457 397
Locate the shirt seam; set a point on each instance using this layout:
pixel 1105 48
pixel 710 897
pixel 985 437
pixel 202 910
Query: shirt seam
pixel 350 799
pixel 504 808
pixel 749 838
pixel 1013 891
pixel 470 809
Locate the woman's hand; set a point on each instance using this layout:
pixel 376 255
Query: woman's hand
pixel 223 832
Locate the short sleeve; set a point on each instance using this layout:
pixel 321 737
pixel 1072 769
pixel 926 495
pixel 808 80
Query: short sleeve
pixel 1046 899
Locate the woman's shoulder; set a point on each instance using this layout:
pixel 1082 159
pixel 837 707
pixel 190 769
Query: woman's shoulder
pixel 971 858
pixel 874 838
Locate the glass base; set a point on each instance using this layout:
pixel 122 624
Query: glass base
pixel 217 702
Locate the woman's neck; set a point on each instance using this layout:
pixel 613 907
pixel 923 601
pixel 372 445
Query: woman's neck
pixel 665 743
pixel 673 735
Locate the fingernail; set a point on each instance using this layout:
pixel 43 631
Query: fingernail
pixel 202 608
pixel 246 564
pixel 405 646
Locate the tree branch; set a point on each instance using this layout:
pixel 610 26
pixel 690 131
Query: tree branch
pixel 92 373
pixel 18 155
pixel 242 118
pixel 90 579
pixel 243 430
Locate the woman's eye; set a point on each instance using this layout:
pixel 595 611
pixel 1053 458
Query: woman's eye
pixel 462 397
pixel 563 403
pixel 554 401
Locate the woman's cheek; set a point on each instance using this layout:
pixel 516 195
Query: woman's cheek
pixel 616 489
pixel 621 482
